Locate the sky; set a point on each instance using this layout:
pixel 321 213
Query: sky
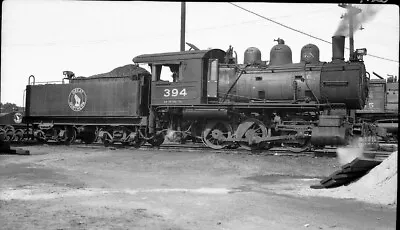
pixel 46 37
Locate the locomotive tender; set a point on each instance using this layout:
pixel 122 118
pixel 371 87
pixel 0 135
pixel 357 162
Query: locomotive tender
pixel 115 103
pixel 254 104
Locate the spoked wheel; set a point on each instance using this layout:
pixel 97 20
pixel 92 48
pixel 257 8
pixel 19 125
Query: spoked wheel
pixel 252 129
pixel 214 134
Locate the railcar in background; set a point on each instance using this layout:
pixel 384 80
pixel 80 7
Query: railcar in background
pixel 11 126
pixel 382 107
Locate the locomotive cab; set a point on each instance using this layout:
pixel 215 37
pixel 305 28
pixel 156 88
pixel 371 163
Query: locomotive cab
pixel 194 76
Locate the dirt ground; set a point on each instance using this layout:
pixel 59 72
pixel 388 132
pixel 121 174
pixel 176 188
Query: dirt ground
pixel 72 187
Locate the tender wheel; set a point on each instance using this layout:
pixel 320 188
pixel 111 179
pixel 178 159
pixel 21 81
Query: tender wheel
pixel 253 129
pixel 2 135
pixel 139 142
pixel 157 140
pixel 214 134
pixel 28 134
pixel 106 140
pixel 40 136
pixel 19 135
pixel 89 136
pixel 69 135
pixel 9 133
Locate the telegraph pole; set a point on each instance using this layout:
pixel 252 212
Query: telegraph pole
pixel 183 21
pixel 0 93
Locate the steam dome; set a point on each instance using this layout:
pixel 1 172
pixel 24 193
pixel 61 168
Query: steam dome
pixel 309 53
pixel 280 54
pixel 252 55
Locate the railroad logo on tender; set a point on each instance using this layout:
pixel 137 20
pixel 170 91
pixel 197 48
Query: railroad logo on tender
pixel 18 118
pixel 77 99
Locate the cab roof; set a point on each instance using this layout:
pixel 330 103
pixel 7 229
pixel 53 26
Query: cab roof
pixel 166 58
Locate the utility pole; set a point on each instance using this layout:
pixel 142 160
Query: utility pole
pixel 0 93
pixel 351 12
pixel 183 21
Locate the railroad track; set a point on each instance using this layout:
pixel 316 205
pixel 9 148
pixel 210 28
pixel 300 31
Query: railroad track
pixel 199 147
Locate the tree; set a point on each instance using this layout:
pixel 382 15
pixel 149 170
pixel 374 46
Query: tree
pixel 8 107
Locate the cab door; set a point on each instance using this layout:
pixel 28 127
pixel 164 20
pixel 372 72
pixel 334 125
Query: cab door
pixel 212 79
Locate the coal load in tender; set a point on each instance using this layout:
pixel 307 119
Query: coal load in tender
pixel 123 71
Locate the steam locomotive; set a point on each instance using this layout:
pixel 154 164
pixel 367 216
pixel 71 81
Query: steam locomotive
pixel 210 97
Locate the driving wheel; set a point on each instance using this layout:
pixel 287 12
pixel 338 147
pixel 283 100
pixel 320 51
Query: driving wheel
pixel 215 133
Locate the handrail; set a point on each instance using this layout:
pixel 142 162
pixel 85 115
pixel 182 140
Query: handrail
pixel 29 80
pixel 48 82
pixel 42 82
pixel 23 100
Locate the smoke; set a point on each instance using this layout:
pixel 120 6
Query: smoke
pixel 349 153
pixel 367 14
pixel 173 136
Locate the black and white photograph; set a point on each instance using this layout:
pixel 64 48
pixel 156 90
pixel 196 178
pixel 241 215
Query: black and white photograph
pixel 199 115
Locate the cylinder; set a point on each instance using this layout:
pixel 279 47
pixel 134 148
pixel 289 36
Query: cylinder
pixel 338 48
pixel 334 136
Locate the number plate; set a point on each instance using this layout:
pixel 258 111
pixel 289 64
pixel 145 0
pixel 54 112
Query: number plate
pixel 175 92
pixel 172 94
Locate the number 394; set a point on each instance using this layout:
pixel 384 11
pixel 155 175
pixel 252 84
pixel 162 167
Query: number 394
pixel 174 92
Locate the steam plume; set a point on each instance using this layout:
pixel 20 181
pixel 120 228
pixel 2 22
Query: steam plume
pixel 367 14
pixel 349 153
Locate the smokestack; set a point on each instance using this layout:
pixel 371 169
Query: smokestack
pixel 338 48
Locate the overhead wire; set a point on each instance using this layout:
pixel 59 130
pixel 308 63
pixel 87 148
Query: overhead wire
pixel 92 42
pixel 245 22
pixel 304 33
